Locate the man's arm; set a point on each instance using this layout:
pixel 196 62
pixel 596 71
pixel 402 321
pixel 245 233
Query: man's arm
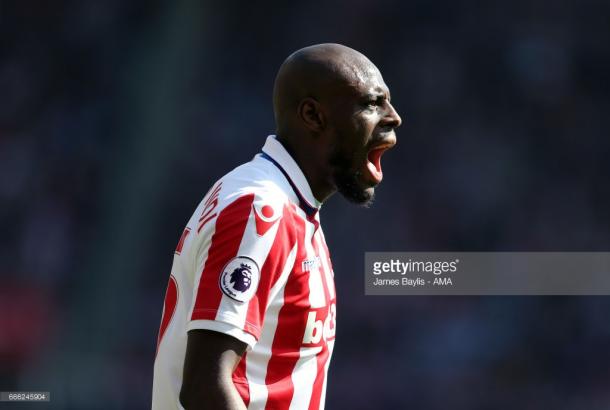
pixel 211 358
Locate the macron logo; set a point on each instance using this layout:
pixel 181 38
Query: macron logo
pixel 264 218
pixel 310 264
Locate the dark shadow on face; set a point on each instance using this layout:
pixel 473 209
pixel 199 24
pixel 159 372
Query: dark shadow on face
pixel 346 180
pixel 344 119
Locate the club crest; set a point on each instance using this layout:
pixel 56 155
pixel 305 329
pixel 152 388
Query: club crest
pixel 239 279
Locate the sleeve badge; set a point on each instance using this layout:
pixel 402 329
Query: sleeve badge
pixel 239 278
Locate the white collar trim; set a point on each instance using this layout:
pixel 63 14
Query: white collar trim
pixel 278 153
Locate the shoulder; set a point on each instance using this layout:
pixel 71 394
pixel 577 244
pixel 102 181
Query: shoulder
pixel 256 185
pixel 257 180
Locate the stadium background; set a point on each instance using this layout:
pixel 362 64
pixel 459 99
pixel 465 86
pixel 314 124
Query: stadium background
pixel 117 116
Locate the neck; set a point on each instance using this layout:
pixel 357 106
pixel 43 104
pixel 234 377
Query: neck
pixel 308 158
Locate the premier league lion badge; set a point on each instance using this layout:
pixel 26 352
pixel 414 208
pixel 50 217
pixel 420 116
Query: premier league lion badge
pixel 239 279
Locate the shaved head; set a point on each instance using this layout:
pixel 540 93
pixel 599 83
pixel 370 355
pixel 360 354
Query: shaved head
pixel 313 72
pixel 333 115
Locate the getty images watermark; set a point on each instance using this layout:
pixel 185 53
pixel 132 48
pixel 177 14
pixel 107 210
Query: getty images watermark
pixel 487 273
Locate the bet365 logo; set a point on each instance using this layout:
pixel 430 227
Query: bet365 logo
pixel 319 328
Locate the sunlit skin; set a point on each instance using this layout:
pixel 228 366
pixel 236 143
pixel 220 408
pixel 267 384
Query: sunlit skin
pixel 334 115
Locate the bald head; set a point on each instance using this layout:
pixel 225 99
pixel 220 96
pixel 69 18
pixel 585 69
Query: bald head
pixel 315 72
pixel 334 117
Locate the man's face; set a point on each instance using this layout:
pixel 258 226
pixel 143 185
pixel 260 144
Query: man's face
pixel 362 123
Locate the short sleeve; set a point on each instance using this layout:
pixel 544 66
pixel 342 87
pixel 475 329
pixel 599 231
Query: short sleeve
pixel 242 263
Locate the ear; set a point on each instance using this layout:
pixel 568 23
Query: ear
pixel 310 113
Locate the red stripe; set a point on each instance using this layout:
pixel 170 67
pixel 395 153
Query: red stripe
pixel 270 273
pixel 169 307
pixel 230 228
pixel 322 357
pixel 291 325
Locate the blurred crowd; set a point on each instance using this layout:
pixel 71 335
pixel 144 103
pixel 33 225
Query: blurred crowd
pixel 117 116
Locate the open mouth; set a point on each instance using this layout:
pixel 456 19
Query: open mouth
pixel 373 164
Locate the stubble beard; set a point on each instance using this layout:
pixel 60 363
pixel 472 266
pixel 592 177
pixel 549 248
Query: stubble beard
pixel 347 180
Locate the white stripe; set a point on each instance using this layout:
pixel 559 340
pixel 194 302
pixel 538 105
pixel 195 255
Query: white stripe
pixel 303 377
pixel 330 284
pixel 257 248
pixel 324 241
pixel 258 359
pixel 317 296
pixel 330 346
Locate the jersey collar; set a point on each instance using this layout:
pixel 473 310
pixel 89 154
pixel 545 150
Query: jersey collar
pixel 275 152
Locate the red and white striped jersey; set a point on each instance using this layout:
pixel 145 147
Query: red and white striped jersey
pixel 253 263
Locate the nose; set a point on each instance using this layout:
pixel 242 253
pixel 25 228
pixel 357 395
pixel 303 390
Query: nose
pixel 392 119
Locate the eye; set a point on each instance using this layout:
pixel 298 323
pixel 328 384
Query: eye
pixel 374 102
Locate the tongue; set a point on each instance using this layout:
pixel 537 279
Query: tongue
pixel 374 164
